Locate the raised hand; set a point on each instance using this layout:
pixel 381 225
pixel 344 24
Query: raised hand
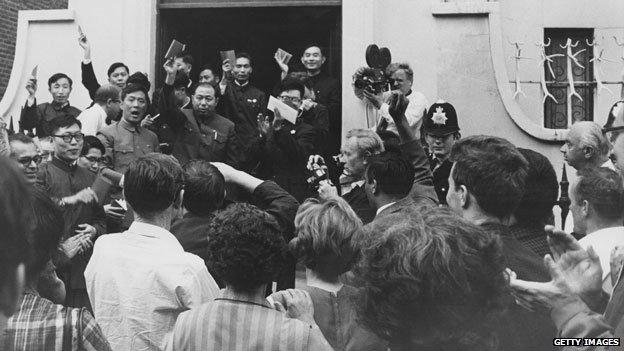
pixel 31 87
pixel 281 62
pixel 170 68
pixel 616 262
pixel 560 242
pixel 296 304
pixel 375 100
pixel 85 195
pixel 86 229
pixel 278 121
pixel 397 104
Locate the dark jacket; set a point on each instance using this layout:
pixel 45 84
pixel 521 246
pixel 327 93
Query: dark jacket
pixel 211 139
pixel 242 105
pixel 193 231
pixel 89 80
pixel 285 154
pixel 329 93
pixel 519 329
pixel 441 174
pixel 60 180
pixel 38 116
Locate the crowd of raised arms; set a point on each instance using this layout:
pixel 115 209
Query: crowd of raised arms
pixel 182 220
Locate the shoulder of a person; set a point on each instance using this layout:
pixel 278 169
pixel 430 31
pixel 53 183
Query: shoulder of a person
pixel 75 110
pixel 224 122
pixel 109 129
pixel 108 241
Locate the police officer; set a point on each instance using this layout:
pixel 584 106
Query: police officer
pixel 441 131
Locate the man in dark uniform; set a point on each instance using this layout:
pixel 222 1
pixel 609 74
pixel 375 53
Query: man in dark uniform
pixel 441 131
pixel 326 91
pixel 200 132
pixel 241 103
pixel 286 147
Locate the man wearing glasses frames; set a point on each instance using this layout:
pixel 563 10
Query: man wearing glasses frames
pixel 69 185
pixel 24 151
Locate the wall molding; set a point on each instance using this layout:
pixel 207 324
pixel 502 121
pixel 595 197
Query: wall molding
pixel 492 11
pixel 24 19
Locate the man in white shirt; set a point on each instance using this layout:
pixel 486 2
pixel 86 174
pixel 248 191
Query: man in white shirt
pixel 597 206
pixel 403 79
pixel 107 104
pixel 140 280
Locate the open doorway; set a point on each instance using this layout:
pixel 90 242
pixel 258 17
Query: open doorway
pixel 258 31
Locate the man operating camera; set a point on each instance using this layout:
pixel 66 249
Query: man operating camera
pixel 401 77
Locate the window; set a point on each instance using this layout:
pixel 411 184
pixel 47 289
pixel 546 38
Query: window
pixel 561 114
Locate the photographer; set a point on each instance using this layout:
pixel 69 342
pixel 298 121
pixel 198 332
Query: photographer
pixel 360 145
pixel 402 78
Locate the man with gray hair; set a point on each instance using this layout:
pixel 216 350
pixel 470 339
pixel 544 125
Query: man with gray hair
pixel 107 105
pixel 586 146
pixel 402 77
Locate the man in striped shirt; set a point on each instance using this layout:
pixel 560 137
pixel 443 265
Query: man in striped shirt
pixel 246 251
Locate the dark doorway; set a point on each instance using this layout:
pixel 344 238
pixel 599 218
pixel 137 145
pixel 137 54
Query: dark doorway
pixel 256 30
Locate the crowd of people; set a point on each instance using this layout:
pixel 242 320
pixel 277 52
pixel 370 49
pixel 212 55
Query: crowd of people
pixel 178 221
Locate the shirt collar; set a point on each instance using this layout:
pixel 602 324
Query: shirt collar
pixel 153 231
pixel 127 126
pixel 385 206
pixel 232 295
pixel 604 231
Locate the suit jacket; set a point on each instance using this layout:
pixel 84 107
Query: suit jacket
pixel 241 105
pixel 329 93
pixel 192 231
pixel 519 329
pixel 39 116
pixel 285 154
pixel 60 180
pixel 212 139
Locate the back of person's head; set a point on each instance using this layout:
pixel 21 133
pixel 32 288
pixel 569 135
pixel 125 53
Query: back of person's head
pixel 21 138
pixel 432 282
pixel 106 92
pixel 392 173
pixel 367 142
pixel 204 188
pixel 55 77
pixel 540 191
pixel 116 65
pixel 64 121
pixel 603 189
pixel 16 224
pixel 181 80
pixel 131 88
pixel 139 78
pixel 91 142
pixel 246 55
pixel 153 183
pixel 289 84
pixel 301 76
pixel 246 247
pixel 326 233
pixel 44 239
pixel 591 136
pixel 395 66
pixel 492 170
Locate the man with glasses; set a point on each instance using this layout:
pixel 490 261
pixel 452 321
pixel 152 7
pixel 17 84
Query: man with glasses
pixel 24 151
pixel 200 133
pixel 106 105
pixel 441 133
pixel 69 186
pixel 125 140
pixel 286 147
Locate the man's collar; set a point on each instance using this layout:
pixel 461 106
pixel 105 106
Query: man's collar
pixel 64 165
pixel 227 294
pixel 384 207
pixel 128 126
pixel 241 85
pixel 153 231
pixel 59 107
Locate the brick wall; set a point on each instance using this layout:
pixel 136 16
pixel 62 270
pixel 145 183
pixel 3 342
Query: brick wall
pixel 8 31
